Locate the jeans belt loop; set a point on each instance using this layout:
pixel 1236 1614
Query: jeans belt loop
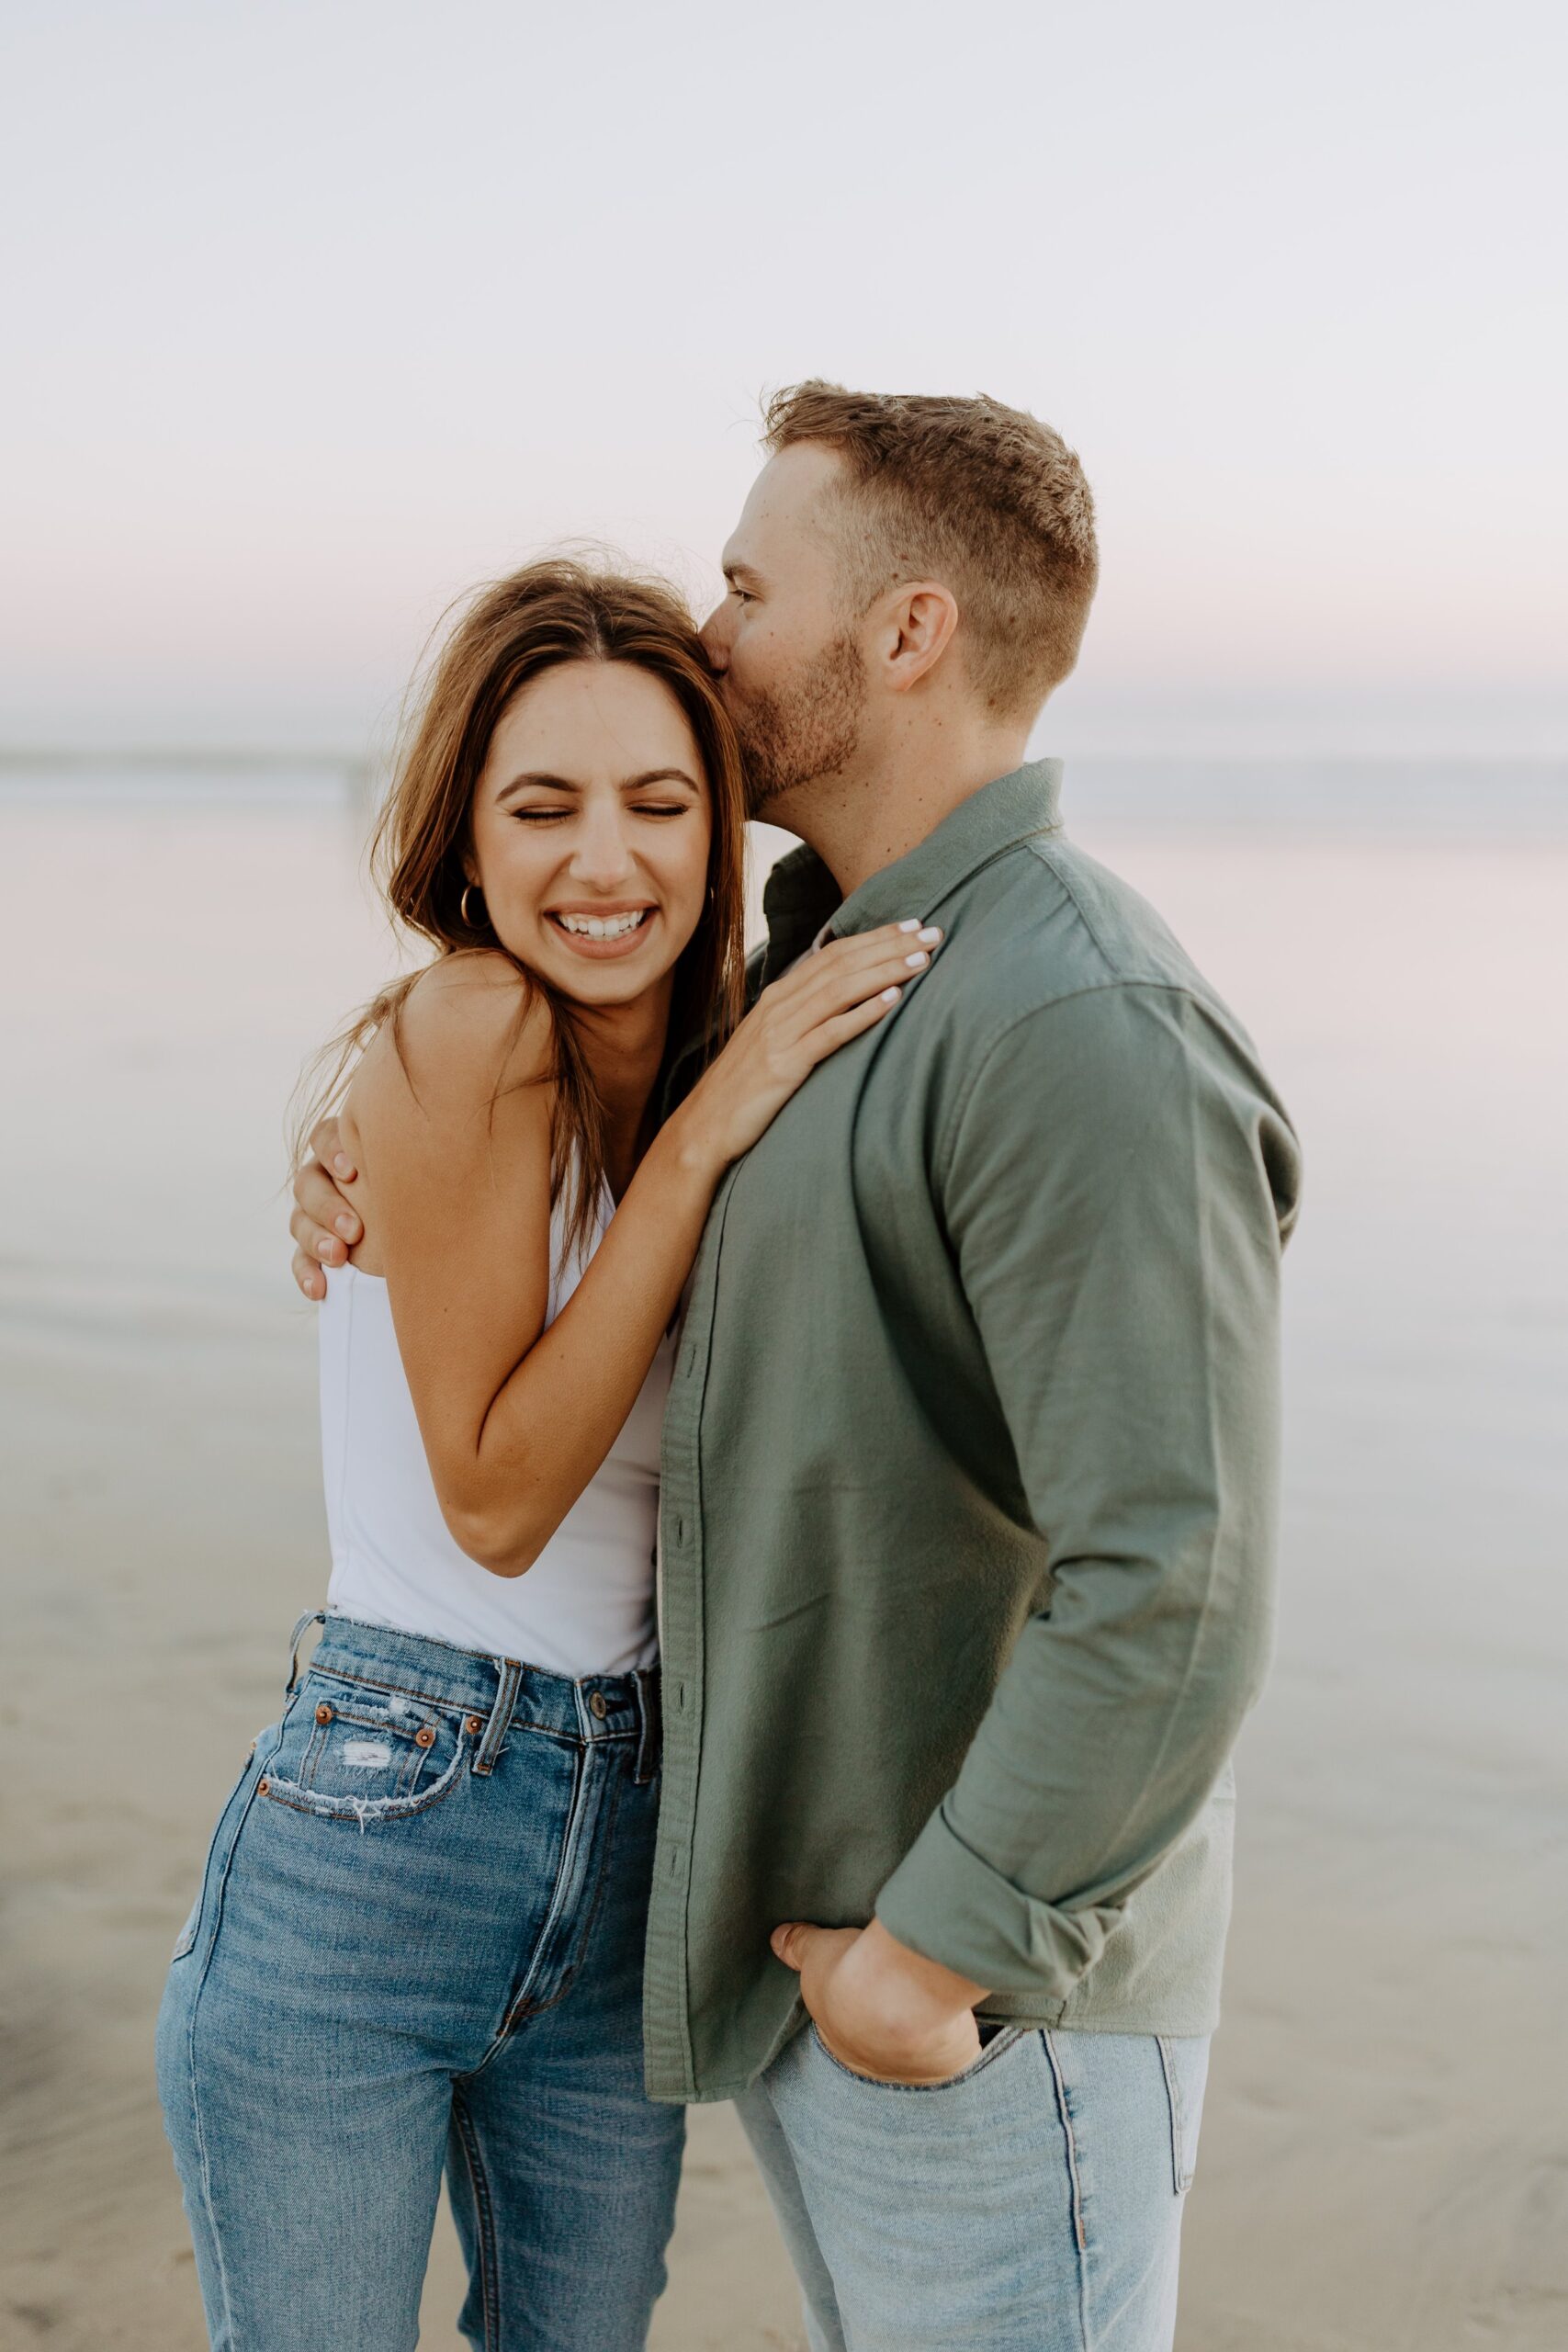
pixel 311 1617
pixel 501 1714
pixel 650 1727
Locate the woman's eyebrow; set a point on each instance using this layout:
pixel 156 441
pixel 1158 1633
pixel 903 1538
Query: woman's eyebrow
pixel 536 782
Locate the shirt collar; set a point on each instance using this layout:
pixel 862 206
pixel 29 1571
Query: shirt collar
pixel 801 894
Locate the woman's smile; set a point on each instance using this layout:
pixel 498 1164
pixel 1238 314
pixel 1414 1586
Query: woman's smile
pixel 600 932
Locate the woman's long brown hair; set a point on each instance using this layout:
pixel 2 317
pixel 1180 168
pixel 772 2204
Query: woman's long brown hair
pixel 557 610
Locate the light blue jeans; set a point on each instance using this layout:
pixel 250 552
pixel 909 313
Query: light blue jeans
pixel 1033 2204
pixel 419 1939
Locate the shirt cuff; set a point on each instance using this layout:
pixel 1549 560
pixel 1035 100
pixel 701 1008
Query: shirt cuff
pixel 948 1903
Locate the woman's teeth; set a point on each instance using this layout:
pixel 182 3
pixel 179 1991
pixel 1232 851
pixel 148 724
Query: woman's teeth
pixel 602 926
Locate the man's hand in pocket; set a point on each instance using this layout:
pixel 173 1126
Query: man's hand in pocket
pixel 881 2009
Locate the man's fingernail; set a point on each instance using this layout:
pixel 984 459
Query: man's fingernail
pixel 347 1226
pixel 341 1163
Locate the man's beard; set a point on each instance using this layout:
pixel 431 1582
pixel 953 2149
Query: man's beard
pixel 808 728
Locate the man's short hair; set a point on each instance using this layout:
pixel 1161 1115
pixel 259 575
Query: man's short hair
pixel 984 497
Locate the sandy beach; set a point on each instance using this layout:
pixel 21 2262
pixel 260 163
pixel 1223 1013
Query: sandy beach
pixel 1384 2164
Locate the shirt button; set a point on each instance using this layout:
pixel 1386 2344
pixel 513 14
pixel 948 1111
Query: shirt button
pixel 679 1530
pixel 688 1360
pixel 596 1705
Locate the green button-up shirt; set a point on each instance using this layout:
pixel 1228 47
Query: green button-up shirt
pixel 969 1471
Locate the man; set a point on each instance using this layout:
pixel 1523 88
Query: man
pixel 969 1461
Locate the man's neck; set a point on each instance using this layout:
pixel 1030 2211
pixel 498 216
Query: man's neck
pixel 875 811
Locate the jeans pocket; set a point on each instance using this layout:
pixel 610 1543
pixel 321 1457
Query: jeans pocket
pixel 350 1753
pixel 997 2047
pixel 1185 2059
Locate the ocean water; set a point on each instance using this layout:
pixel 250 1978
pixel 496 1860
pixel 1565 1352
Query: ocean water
pixel 1396 940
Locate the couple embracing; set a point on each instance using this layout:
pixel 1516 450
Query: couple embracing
pixel 800 1461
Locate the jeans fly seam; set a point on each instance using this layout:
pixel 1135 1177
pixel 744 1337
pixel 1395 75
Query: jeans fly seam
pixel 560 1993
pixel 590 1923
pixel 484 2213
pixel 1080 2235
pixel 579 1779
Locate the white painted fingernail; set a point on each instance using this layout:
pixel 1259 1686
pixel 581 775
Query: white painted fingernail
pixel 931 935
pixel 910 926
pixel 916 961
pixel 891 996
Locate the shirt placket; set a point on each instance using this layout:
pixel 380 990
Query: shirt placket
pixel 667 2026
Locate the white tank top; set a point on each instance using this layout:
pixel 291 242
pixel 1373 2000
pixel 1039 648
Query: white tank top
pixel 586 1606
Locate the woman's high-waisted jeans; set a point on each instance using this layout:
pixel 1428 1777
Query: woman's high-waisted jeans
pixel 419 1939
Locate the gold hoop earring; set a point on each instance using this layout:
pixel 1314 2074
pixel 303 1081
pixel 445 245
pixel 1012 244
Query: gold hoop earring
pixel 463 907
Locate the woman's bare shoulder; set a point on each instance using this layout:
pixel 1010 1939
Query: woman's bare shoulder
pixel 471 1032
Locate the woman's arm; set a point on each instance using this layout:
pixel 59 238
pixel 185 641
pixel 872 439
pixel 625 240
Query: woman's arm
pixel 452 1139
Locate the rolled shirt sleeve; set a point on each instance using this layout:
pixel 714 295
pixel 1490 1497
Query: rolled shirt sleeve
pixel 1117 1180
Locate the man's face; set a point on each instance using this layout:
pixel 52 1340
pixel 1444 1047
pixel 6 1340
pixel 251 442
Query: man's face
pixel 789 666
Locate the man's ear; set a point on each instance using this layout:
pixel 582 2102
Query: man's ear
pixel 915 631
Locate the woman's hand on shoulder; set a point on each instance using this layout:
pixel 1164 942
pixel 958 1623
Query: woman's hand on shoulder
pixel 829 997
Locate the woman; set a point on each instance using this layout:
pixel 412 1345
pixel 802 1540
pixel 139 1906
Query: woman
pixel 419 1933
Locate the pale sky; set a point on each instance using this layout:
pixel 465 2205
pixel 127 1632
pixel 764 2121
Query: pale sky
pixel 316 313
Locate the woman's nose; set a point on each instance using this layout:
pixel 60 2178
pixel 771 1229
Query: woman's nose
pixel 602 855
pixel 715 635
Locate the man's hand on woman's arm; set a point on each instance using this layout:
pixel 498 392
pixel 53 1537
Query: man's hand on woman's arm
pixel 325 1225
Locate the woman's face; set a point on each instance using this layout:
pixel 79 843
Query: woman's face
pixel 590 828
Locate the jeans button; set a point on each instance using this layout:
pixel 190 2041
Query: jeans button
pixel 596 1705
pixel 425 1736
pixel 323 1712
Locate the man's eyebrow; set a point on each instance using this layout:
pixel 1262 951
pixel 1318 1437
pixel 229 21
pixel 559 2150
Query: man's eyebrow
pixel 740 570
